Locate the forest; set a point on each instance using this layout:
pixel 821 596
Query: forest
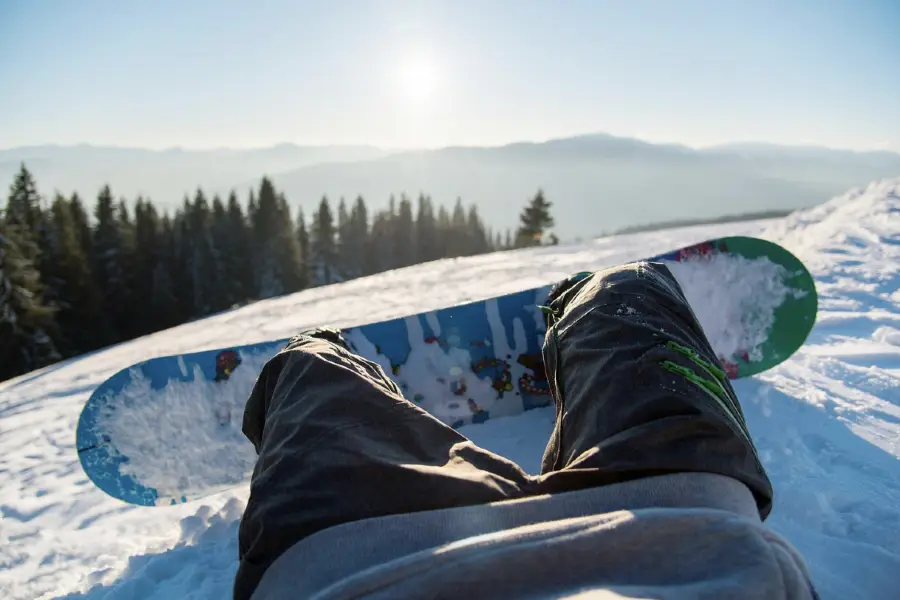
pixel 75 278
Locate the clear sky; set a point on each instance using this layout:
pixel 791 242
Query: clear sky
pixel 421 73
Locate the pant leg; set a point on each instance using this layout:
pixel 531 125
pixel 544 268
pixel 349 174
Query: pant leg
pixel 637 390
pixel 337 442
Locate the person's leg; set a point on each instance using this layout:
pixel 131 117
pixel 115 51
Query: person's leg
pixel 637 387
pixel 337 442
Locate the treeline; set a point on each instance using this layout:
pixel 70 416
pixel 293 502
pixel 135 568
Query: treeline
pixel 71 283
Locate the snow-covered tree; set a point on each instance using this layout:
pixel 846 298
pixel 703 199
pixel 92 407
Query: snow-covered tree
pixel 26 323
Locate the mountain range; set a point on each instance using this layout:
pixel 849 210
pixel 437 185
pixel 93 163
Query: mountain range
pixel 597 182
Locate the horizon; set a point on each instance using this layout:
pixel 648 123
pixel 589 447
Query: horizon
pixel 502 144
pixel 414 75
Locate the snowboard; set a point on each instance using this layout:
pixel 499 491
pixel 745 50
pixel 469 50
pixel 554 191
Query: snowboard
pixel 168 430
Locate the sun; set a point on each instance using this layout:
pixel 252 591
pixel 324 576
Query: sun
pixel 418 79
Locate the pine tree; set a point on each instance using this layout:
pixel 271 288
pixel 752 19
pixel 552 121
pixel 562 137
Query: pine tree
pixel 458 242
pixel 107 264
pixel 80 223
pixel 323 245
pixel 128 323
pixel 534 221
pixel 379 246
pixel 23 208
pixel 444 235
pixel 389 250
pixel 25 321
pixel 166 302
pixel 148 256
pixel 76 295
pixel 179 257
pixel 221 287
pixel 238 253
pixel 479 239
pixel 302 235
pixel 344 242
pixel 358 238
pixel 426 231
pixel 405 235
pixel 278 267
pixel 290 261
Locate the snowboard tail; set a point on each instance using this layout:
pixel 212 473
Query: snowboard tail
pixel 167 430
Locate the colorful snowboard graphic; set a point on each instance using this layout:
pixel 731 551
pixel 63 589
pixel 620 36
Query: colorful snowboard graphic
pixel 168 430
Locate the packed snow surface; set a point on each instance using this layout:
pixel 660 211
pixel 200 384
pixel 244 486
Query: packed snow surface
pixel 827 421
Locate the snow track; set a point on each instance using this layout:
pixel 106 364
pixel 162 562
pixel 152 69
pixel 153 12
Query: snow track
pixel 827 422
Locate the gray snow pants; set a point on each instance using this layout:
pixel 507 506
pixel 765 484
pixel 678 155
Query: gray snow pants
pixel 636 392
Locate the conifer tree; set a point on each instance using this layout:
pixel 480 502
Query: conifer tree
pixel 405 235
pixel 344 244
pixel 290 261
pixel 389 242
pixel 252 207
pixel 323 245
pixel 107 265
pixel 26 322
pixel 75 295
pixel 237 252
pixel 179 253
pixel 534 221
pixel 221 287
pixel 303 244
pixel 149 253
pixel 277 265
pixel 23 209
pixel 166 303
pixel 478 237
pixel 201 259
pixel 426 230
pixel 126 323
pixel 358 237
pixel 379 244
pixel 458 242
pixel 444 233
pixel 80 223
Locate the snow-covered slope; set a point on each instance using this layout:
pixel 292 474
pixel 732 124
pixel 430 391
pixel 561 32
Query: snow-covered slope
pixel 827 422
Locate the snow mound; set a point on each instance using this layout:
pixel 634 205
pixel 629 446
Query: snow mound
pixel 854 236
pixel 828 420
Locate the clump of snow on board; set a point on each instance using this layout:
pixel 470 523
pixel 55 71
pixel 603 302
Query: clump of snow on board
pixel 198 422
pixel 734 299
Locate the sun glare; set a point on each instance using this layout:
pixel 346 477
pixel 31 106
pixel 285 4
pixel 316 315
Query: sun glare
pixel 418 80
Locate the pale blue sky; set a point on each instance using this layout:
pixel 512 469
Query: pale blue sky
pixel 425 74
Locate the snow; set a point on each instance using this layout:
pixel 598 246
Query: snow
pixel 827 421
pixel 734 299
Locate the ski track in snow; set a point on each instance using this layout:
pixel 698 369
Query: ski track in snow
pixel 827 422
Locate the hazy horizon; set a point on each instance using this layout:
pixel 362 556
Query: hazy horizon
pixel 500 144
pixel 410 74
